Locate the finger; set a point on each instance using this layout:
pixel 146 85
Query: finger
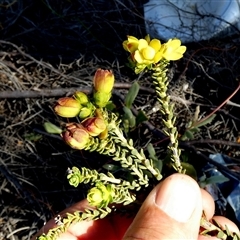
pixel 208 204
pixel 171 211
pixel 80 206
pixel 109 228
pixel 226 222
pixel 223 223
pixel 201 237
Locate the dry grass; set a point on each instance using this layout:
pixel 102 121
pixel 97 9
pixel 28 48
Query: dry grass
pixel 40 42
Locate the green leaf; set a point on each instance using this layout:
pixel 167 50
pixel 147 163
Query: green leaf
pixel 187 135
pixel 208 120
pixel 52 128
pixel 151 151
pixel 32 137
pixel 190 170
pixel 131 95
pixel 128 115
pixel 212 180
pixel 152 154
pixel 110 106
pixel 141 117
pixel 216 179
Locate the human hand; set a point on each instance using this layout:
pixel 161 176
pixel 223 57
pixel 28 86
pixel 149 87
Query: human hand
pixel 172 210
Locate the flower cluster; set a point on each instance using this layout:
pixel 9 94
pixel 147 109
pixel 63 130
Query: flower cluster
pixel 145 52
pixel 79 104
pixel 78 135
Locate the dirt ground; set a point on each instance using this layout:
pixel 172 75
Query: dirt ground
pixel 49 51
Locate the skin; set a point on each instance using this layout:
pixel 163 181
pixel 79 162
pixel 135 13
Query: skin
pixel 177 203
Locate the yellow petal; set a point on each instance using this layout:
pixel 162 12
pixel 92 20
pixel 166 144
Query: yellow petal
pixel 132 39
pixel 173 50
pixel 138 57
pixel 131 44
pixel 173 43
pixel 147 38
pixel 155 44
pixel 142 44
pixel 125 45
pixel 148 53
pixel 158 56
pixel 182 49
pixel 174 56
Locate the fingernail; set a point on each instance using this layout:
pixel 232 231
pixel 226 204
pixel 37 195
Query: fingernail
pixel 177 197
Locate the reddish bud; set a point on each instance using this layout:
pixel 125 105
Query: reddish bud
pixel 94 125
pixel 67 107
pixel 76 136
pixel 103 81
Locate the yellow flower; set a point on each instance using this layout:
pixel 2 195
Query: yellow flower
pixel 148 52
pixel 131 44
pixel 144 51
pixel 173 50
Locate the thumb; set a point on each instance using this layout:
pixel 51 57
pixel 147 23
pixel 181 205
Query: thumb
pixel 171 211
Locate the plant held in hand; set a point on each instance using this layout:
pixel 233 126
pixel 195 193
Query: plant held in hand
pixel 99 129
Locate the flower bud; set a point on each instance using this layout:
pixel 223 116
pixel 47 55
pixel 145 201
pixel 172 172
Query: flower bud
pixel 101 195
pixel 86 110
pixel 94 125
pixel 101 99
pixel 67 107
pixel 103 81
pixel 81 97
pixel 76 136
pixel 74 176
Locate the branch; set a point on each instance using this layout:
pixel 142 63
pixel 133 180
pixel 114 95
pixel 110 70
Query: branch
pixel 60 91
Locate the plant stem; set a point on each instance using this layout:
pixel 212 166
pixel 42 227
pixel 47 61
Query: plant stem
pixel 161 82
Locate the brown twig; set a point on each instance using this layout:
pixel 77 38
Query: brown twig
pixel 60 91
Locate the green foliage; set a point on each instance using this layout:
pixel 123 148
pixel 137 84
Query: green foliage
pixel 131 95
pixel 152 154
pixel 141 117
pixel 212 180
pixel 52 128
pixel 32 137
